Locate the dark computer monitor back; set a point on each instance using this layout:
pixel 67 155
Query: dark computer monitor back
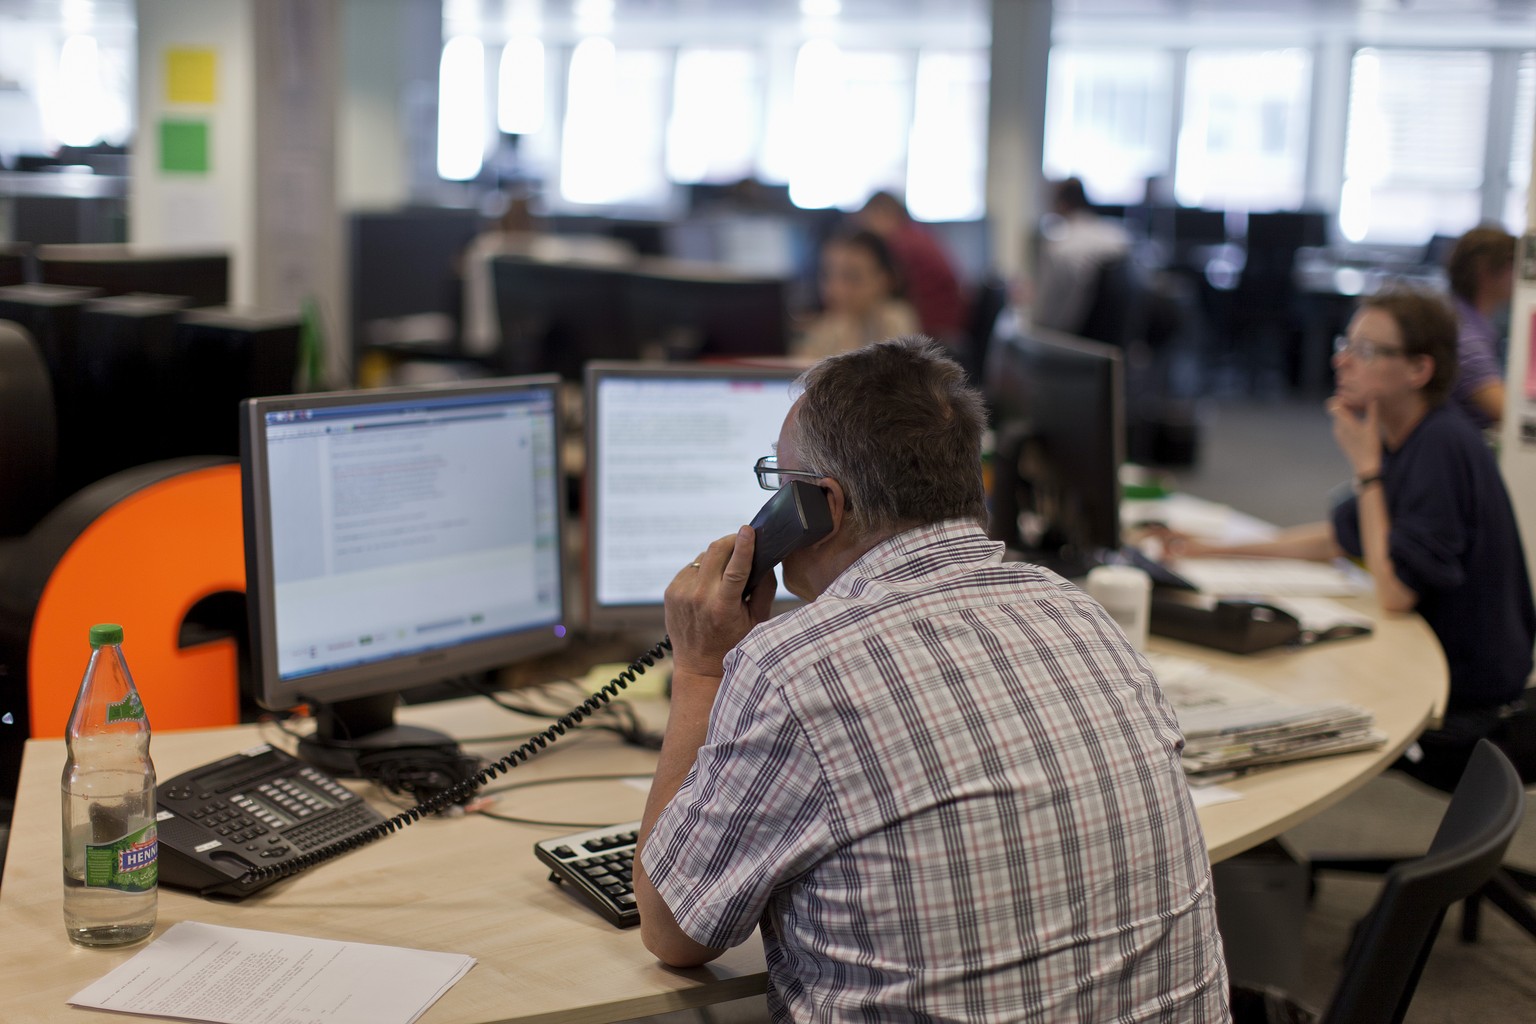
pixel 203 277
pixel 126 382
pixel 555 317
pixel 224 356
pixel 1058 406
pixel 683 316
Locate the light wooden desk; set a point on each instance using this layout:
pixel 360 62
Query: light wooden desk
pixel 471 885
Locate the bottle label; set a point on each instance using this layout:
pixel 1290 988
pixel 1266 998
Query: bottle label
pixel 129 709
pixel 129 864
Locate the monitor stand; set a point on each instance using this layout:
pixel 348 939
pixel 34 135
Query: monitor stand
pixel 346 730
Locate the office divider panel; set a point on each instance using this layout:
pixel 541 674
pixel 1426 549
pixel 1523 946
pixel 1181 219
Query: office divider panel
pixel 202 276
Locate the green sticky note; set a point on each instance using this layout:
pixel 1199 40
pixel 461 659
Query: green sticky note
pixel 184 146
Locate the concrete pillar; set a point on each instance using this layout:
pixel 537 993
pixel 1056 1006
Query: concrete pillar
pixel 1021 47
pixel 237 127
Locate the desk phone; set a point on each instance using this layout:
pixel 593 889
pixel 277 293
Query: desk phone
pixel 259 807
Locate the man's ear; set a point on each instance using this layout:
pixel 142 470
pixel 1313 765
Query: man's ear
pixel 837 506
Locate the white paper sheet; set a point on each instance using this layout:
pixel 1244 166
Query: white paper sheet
pixel 238 976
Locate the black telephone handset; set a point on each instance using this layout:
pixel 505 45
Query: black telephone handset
pixel 796 515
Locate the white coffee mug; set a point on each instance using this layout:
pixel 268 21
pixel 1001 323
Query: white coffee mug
pixel 1126 593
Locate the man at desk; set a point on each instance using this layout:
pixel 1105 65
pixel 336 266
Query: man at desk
pixel 946 787
pixel 1429 516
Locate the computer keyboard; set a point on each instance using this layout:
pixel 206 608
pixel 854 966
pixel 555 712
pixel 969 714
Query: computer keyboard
pixel 597 865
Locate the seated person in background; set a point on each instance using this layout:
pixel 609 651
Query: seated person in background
pixel 947 787
pixel 927 273
pixel 1075 244
pixel 861 297
pixel 1430 517
pixel 1481 268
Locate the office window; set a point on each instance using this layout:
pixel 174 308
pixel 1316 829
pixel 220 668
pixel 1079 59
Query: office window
pixel 520 86
pixel 947 154
pixel 1413 156
pixel 716 116
pixel 852 113
pixel 1520 144
pixel 1108 116
pixel 461 120
pixel 615 125
pixel 1243 138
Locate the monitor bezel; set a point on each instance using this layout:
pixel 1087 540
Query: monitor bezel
pixel 618 618
pixel 399 673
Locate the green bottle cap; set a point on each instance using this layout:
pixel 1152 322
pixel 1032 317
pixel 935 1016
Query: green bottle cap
pixel 106 633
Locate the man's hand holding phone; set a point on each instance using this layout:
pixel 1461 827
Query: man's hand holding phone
pixel 705 613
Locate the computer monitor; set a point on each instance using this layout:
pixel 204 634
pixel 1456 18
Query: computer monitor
pixel 556 316
pixel 394 539
pixel 670 449
pixel 1058 404
pixel 685 315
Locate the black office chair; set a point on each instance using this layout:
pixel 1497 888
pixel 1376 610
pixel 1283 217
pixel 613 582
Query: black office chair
pixel 1392 943
pixel 987 304
pixel 28 432
pixel 1509 888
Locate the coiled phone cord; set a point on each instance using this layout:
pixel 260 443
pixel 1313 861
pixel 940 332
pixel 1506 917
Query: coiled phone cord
pixel 463 790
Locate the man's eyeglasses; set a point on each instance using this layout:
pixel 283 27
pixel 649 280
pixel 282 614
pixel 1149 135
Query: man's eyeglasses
pixel 770 477
pixel 1364 350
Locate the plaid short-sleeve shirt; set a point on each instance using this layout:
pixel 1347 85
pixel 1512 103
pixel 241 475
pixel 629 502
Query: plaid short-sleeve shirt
pixel 948 789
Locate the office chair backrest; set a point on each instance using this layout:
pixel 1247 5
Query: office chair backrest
pixel 28 432
pixel 987 304
pixel 1393 941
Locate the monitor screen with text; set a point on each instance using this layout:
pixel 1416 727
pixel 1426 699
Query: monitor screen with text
pixel 401 528
pixel 670 450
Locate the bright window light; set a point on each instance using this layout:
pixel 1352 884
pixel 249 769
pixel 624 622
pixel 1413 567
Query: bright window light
pixel 78 99
pixel 520 86
pixel 816 176
pixel 946 158
pixel 461 109
pixel 615 126
pixel 1413 152
pixel 712 135
pixel 1243 139
pixel 1108 116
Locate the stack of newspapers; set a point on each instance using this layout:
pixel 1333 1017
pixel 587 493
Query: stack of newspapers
pixel 1231 725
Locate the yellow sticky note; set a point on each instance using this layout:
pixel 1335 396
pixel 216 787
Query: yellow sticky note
pixel 191 75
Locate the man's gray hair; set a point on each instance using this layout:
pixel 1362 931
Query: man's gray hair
pixel 898 426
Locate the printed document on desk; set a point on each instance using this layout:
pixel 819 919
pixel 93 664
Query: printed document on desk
pixel 237 976
pixel 1232 725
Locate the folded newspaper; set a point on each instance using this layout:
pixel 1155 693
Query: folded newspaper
pixel 1231 725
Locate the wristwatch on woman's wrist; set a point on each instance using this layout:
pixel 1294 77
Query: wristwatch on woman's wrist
pixel 1364 481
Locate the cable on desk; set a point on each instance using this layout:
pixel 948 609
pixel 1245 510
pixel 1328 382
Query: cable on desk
pixel 605 777
pixel 628 726
pixel 462 791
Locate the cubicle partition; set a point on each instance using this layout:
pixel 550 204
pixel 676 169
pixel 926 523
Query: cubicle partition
pixel 200 275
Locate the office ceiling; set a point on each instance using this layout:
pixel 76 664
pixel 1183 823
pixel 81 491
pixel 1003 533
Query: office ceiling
pixel 86 12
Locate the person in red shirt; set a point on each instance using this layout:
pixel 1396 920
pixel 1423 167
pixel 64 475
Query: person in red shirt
pixel 926 269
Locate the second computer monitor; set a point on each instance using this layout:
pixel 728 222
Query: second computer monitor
pixel 1059 410
pixel 670 450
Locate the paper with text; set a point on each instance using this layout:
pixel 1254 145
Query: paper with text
pixel 238 976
